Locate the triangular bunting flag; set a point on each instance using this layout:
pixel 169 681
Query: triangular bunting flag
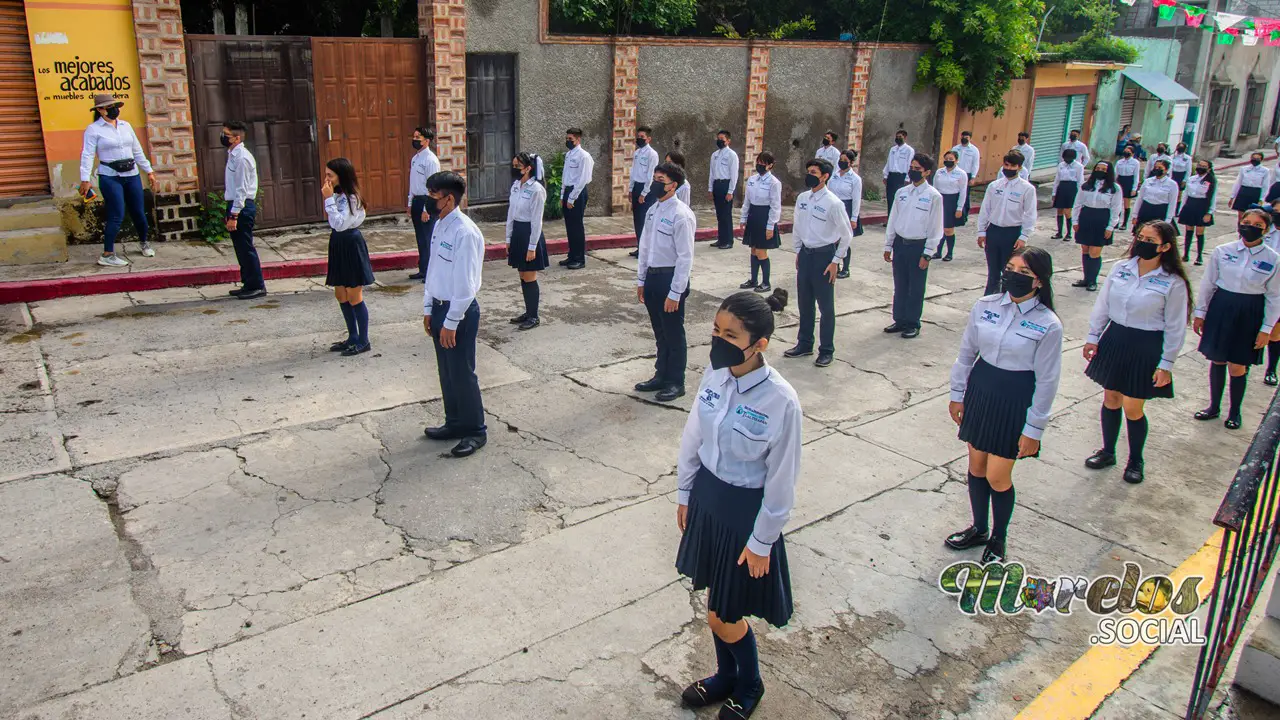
pixel 1194 20
pixel 1250 39
pixel 1164 3
pixel 1129 2
pixel 1225 39
pixel 1225 20
pixel 1166 12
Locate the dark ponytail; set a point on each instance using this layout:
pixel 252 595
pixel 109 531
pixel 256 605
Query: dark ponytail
pixel 755 312
pixel 1040 263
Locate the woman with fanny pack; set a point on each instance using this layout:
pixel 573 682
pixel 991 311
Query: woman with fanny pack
pixel 120 156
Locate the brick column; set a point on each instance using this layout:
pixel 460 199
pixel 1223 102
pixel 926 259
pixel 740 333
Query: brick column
pixel 858 97
pixel 162 65
pixel 626 94
pixel 444 23
pixel 757 94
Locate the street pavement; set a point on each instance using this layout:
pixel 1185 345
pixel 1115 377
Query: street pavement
pixel 205 514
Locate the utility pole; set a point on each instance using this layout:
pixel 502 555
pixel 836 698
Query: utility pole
pixel 1204 62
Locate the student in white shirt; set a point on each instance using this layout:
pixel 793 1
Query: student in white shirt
pixel 1066 183
pixel 952 181
pixel 1251 184
pixel 526 243
pixel 423 165
pixel 722 181
pixel 828 150
pixel 911 236
pixel 578 169
pixel 1006 218
pixel 1136 331
pixel 1095 218
pixel 1028 154
pixel 115 145
pixel 1158 198
pixel 821 236
pixel 1199 198
pixel 896 166
pixel 349 270
pixel 968 159
pixel 1239 304
pixel 736 477
pixel 1161 153
pixel 761 212
pixel 1180 164
pixel 846 183
pixel 684 192
pixel 240 190
pixel 1128 169
pixel 1003 384
pixel 643 163
pixel 1082 150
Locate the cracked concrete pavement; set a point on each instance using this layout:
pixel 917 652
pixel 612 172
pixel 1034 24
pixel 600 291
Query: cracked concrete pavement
pixel 204 514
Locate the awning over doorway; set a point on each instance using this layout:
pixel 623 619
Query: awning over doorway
pixel 1160 85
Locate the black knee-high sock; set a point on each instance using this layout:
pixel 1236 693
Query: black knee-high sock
pixel 1059 224
pixel 748 661
pixel 1137 430
pixel 1273 356
pixel 1068 221
pixel 726 669
pixel 1092 266
pixel 1110 428
pixel 951 244
pixel 361 311
pixel 1199 244
pixel 979 499
pixel 1186 252
pixel 1238 384
pixel 530 292
pixel 764 270
pixel 1126 216
pixel 350 317
pixel 1217 381
pixel 1001 512
pixel 847 256
pixel 755 268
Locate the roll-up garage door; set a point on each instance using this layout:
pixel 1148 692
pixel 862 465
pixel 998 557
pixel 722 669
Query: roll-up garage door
pixel 1047 129
pixel 23 171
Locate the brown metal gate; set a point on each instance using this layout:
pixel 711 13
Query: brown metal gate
pixel 23 170
pixel 266 83
pixel 370 95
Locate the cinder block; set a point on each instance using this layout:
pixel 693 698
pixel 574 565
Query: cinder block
pixel 1260 662
pixel 36 245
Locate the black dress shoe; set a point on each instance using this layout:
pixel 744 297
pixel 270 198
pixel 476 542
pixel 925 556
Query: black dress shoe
pixel 529 324
pixel 967 538
pixel 748 285
pixel 1232 423
pixel 237 292
pixel 824 359
pixel 357 349
pixel 721 246
pixel 1056 236
pixel 1080 283
pixel 1209 413
pixel 911 333
pixel 634 253
pixel 564 262
pixel 443 432
pixel 1200 260
pixel 947 258
pixel 1133 472
pixel 519 319
pixel 1270 379
pixel 797 352
pixel 669 393
pixel 1099 460
pixel 252 294
pixel 763 288
pixel 843 275
pixel 418 276
pixel 1091 287
pixel 575 266
pixel 741 708
pixel 469 445
pixel 340 346
pixel 653 383
pixel 895 328
pixel 699 695
pixel 994 552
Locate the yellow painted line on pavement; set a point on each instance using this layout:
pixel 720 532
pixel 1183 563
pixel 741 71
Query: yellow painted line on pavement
pixel 1078 692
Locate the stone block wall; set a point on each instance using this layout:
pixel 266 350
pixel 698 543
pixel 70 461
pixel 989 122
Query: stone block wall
pixel 858 98
pixel 626 93
pixel 757 100
pixel 445 23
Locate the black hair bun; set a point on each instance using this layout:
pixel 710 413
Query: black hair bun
pixel 778 300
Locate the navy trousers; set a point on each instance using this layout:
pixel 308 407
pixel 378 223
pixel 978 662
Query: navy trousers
pixel 668 327
pixel 573 228
pixel 813 287
pixel 892 184
pixel 908 282
pixel 120 194
pixel 640 209
pixel 724 212
pixel 1000 242
pixel 246 253
pixel 463 409
pixel 422 231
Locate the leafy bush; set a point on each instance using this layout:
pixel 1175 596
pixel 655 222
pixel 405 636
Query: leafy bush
pixel 979 48
pixel 1091 47
pixel 553 171
pixel 213 219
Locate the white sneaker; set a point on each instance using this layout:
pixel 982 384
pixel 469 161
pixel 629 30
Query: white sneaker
pixel 147 250
pixel 112 261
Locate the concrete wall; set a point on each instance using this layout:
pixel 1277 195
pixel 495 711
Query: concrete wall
pixel 1150 116
pixel 808 96
pixel 547 102
pixel 1234 65
pixel 686 104
pixel 891 104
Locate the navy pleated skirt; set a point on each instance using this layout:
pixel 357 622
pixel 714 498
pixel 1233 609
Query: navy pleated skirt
pixel 1152 212
pixel 1127 360
pixel 1247 197
pixel 995 408
pixel 721 519
pixel 348 260
pixel 1126 183
pixel 1231 325
pixel 518 250
pixel 848 208
pixel 950 203
pixel 1179 176
pixel 1094 224
pixel 1065 196
pixel 1193 212
pixel 754 234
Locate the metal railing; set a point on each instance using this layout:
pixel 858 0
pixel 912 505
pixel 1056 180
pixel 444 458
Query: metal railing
pixel 1247 516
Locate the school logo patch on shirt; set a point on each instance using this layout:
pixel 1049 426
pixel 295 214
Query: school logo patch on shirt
pixel 709 397
pixel 1028 325
pixel 752 414
pixel 1230 257
pixel 1160 283
pixel 1263 266
pixel 804 206
pixel 990 316
pixel 1123 274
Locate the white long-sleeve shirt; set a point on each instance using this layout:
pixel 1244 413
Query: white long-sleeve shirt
pixel 951 182
pixel 968 158
pixel 1155 301
pixel 525 203
pixel 1198 187
pixel 1180 162
pixel 917 213
pixel 578 166
pixel 1158 191
pixel 820 220
pixel 685 194
pixel 763 190
pixel 1013 336
pixel 1029 159
pixel 1008 202
pixel 1128 167
pixel 457 256
pixel 643 163
pixel 1095 198
pixel 1068 173
pixel 423 165
pixel 109 144
pixel 1238 268
pixel 1082 151
pixel 667 241
pixel 1156 157
pixel 847 185
pixel 344 213
pixel 1252 176
pixel 830 153
pixel 747 432
pixel 899 160
pixel 724 166
pixel 240 180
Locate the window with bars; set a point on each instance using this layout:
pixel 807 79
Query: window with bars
pixel 1253 97
pixel 1222 113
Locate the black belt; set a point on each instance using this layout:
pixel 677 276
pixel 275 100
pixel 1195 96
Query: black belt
pixel 910 241
pixel 822 248
pixel 660 271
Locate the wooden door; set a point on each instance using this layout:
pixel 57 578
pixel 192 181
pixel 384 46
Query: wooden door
pixel 370 95
pixel 266 83
pixel 491 126
pixel 23 170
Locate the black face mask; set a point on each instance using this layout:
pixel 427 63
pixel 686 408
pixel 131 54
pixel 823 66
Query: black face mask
pixel 516 173
pixel 1275 219
pixel 1162 151
pixel 641 142
pixel 1009 173
pixel 1158 172
pixel 964 141
pixel 417 144
pixel 1146 250
pixel 1073 137
pixel 1255 162
pixel 720 144
pixel 826 142
pixel 569 144
pixel 844 164
pixel 761 169
pixel 812 181
pixel 1249 233
pixel 915 176
pixel 1202 171
pixel 725 354
pixel 1017 284
pixel 433 207
pixel 1099 175
pixel 1128 155
pixel 114 112
pixel 899 141
pixel 226 141
pixel 1181 150
pixel 949 163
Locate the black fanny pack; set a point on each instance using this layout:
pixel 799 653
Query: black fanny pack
pixel 121 166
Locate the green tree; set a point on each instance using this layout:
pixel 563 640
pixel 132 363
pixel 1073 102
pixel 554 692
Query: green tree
pixel 624 17
pixel 979 48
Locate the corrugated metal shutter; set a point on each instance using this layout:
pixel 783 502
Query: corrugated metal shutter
pixel 1048 130
pixel 23 170
pixel 1127 104
pixel 1077 112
